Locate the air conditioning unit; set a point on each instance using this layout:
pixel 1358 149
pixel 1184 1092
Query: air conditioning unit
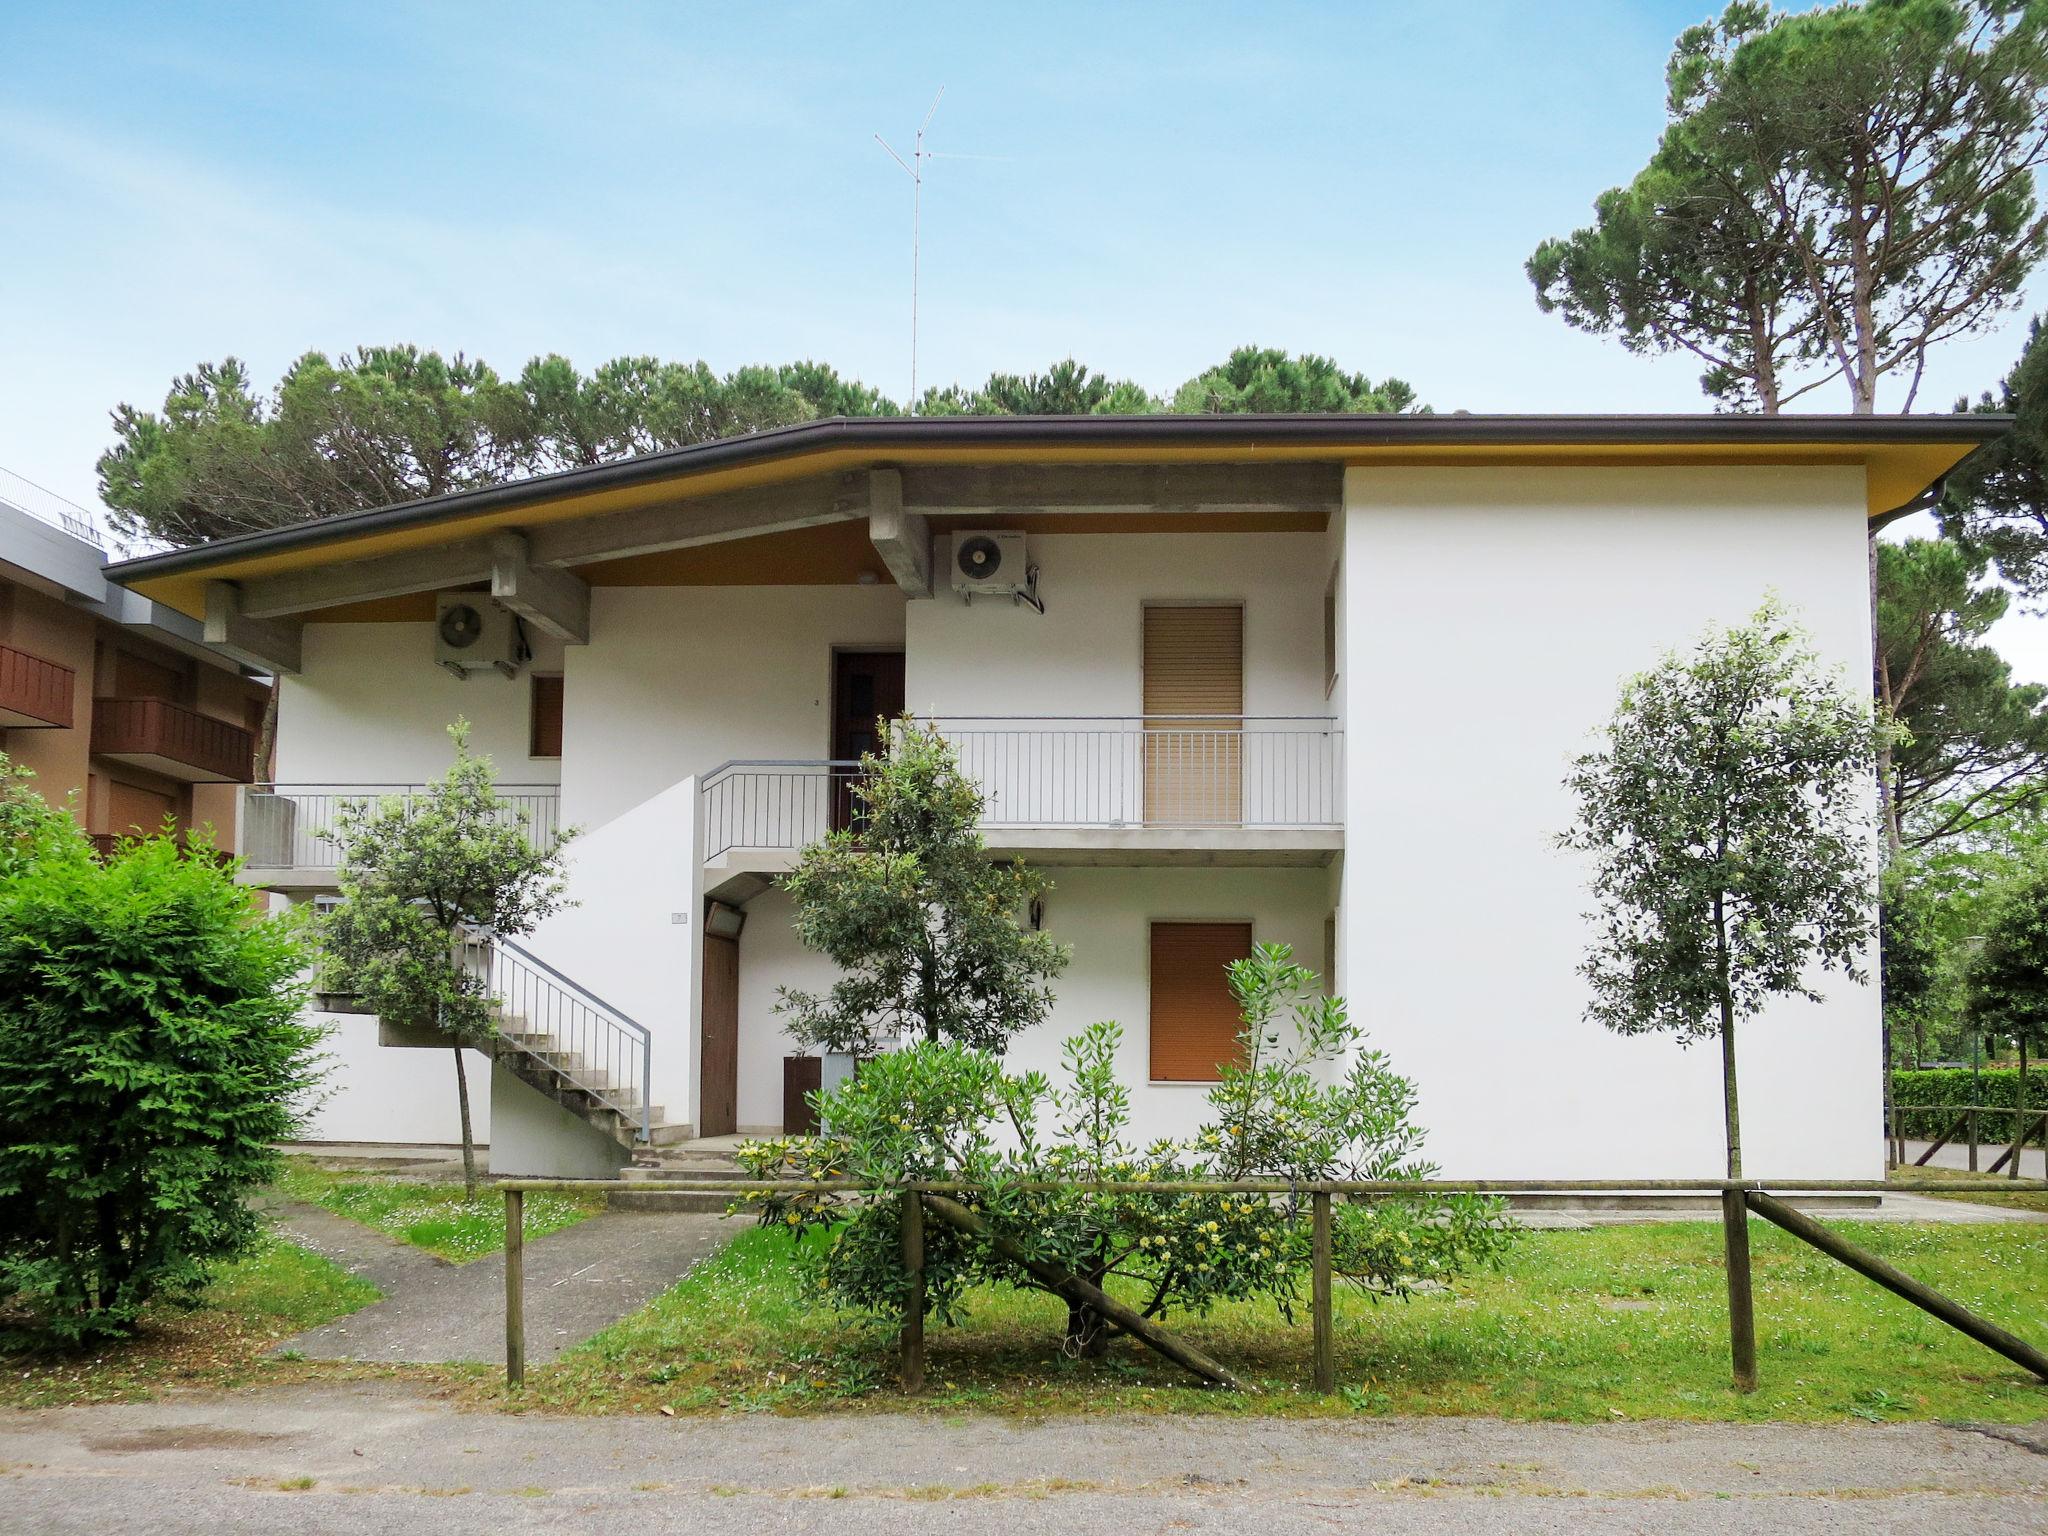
pixel 473 634
pixel 990 564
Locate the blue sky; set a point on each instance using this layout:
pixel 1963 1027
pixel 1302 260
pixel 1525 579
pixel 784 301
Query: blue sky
pixel 1140 186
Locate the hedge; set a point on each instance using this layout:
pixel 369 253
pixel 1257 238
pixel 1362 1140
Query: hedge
pixel 1945 1088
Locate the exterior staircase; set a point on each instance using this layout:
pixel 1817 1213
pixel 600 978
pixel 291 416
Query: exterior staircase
pixel 570 1045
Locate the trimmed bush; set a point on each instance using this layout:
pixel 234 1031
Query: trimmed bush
pixel 151 1052
pixel 1929 1099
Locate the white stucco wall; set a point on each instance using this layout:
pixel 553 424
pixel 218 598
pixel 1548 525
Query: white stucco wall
pixel 677 680
pixel 1083 656
pixel 1105 915
pixel 631 934
pixel 370 707
pixel 374 1092
pixel 1490 617
pixel 536 1138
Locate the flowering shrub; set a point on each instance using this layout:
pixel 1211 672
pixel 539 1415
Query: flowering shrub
pixel 1302 1106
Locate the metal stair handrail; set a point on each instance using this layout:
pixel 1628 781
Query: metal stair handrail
pixel 569 1015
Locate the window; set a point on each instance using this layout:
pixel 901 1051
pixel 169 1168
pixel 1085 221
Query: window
pixel 1194 1017
pixel 546 730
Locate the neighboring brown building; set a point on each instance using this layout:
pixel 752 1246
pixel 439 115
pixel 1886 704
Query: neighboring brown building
pixel 111 698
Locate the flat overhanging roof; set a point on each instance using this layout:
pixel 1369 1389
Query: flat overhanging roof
pixel 1902 456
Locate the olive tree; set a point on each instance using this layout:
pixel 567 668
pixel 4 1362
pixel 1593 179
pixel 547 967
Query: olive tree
pixel 416 876
pixel 1726 815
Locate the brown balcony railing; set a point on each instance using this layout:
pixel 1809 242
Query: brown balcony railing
pixel 155 733
pixel 33 691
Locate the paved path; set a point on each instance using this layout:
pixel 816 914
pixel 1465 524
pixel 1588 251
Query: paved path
pixel 578 1281
pixel 384 1261
pixel 2033 1160
pixel 380 1457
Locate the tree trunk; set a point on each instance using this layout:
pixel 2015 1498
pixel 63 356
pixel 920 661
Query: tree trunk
pixel 266 735
pixel 1731 1113
pixel 468 1142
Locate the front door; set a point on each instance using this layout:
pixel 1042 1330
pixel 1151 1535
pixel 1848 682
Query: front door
pixel 867 691
pixel 718 1061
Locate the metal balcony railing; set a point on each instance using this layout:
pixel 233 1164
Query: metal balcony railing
pixel 47 506
pixel 290 826
pixel 1054 772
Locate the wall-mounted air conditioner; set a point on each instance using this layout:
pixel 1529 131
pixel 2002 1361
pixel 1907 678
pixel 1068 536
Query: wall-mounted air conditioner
pixel 990 564
pixel 473 634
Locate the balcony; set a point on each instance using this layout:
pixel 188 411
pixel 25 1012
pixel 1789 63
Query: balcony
pixel 1076 790
pixel 172 740
pixel 287 829
pixel 33 692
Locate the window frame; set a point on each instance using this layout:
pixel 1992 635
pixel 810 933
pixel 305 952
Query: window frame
pixel 534 680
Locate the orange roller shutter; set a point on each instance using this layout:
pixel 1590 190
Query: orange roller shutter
pixel 1194 1016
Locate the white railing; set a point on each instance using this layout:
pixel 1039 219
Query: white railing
pixel 1101 771
pixel 1074 772
pixel 47 506
pixel 772 803
pixel 291 826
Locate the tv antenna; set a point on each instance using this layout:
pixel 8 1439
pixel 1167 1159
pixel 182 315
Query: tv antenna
pixel 915 167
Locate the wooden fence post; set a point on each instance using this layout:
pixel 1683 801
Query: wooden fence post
pixel 1319 1292
pixel 1741 1303
pixel 515 1288
pixel 1899 1283
pixel 913 1298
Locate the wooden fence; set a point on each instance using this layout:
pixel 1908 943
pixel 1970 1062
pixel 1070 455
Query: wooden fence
pixel 2026 1124
pixel 1740 1199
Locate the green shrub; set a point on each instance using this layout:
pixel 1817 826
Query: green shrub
pixel 1929 1099
pixel 151 1051
pixel 1304 1104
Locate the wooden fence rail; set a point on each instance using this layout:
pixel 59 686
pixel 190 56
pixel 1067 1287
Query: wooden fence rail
pixel 2026 1122
pixel 918 1199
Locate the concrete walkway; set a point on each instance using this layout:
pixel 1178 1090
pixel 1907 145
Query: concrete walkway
pixel 2033 1160
pixel 383 1457
pixel 377 1257
pixel 579 1281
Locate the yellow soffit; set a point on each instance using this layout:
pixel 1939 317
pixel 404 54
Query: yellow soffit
pixel 1897 472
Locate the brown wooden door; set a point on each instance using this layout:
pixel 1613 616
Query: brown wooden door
pixel 1194 708
pixel 719 1057
pixel 867 691
pixel 801 1077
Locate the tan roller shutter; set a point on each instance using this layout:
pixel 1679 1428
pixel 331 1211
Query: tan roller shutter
pixel 1194 1017
pixel 1194 709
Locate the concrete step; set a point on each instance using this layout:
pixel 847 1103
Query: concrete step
pixel 645 1172
pixel 630 1199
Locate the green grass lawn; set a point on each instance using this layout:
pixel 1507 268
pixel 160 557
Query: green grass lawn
pixel 278 1290
pixel 430 1216
pixel 1591 1326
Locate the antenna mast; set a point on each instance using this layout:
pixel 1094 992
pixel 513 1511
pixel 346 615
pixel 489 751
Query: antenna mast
pixel 915 167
